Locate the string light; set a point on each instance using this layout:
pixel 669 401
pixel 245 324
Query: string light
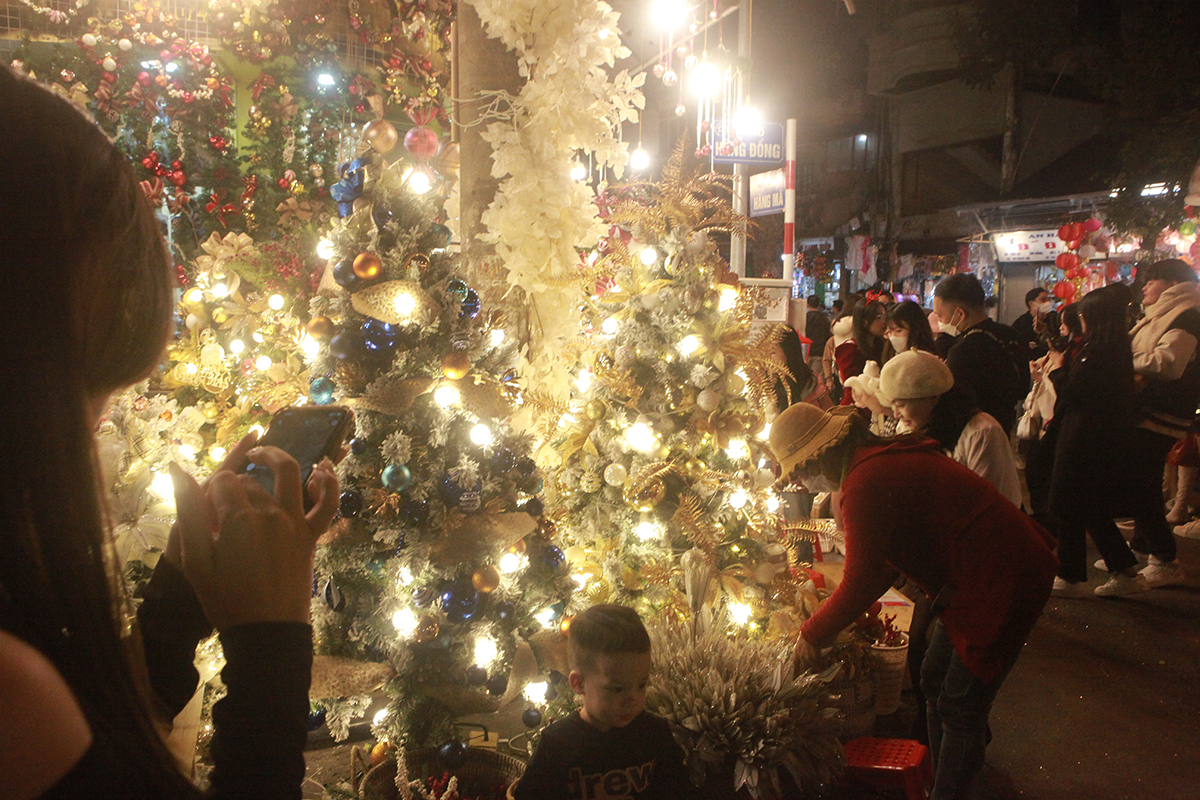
pixel 546 617
pixel 609 326
pixel 237 346
pixel 325 249
pixel 380 716
pixel 640 437
pixel 446 396
pixel 481 435
pixel 162 486
pixel 310 346
pixel 583 381
pixel 405 621
pixel 257 430
pixel 195 296
pixel 647 530
pixel 738 499
pixel 275 301
pixel 738 449
pixel 420 181
pixel 405 304
pixel 405 577
pixel 486 651
pixel 510 562
pixel 498 336
pixel 740 612
pixel 688 345
pixel 648 256
pixel 219 291
pixel 535 691
pixel 578 171
pixel 772 503
pixel 187 451
pixel 639 160
pixel 263 363
pixel 217 453
pixel 728 300
pixel 765 433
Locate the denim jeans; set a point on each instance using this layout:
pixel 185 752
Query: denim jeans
pixel 958 704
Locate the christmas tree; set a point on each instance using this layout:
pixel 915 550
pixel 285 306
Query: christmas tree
pixel 662 447
pixel 440 578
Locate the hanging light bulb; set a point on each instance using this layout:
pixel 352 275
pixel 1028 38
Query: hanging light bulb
pixel 325 249
pixel 420 181
pixel 648 256
pixel 639 159
pixel 481 435
pixel 578 171
pixel 689 344
pixel 497 337
pixel 707 79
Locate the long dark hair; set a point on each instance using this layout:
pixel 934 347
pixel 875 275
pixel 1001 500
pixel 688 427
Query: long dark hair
pixel 870 344
pixel 1105 314
pixel 791 390
pixel 85 308
pixel 914 319
pixel 950 415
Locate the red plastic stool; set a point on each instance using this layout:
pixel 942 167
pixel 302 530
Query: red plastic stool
pixel 902 763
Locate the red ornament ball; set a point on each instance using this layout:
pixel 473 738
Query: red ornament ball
pixel 421 143
pixel 144 78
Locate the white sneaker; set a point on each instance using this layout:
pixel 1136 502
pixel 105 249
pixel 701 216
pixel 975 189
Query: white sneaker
pixel 1189 531
pixel 1163 573
pixel 1120 584
pixel 1063 588
pixel 1101 564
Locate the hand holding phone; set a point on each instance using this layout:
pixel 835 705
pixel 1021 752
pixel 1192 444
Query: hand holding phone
pixel 306 433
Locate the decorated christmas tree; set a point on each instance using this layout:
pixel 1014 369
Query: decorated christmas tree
pixel 441 576
pixel 662 447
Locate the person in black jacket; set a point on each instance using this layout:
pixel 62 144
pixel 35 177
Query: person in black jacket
pixel 86 308
pixel 1091 431
pixel 986 358
pixel 1038 325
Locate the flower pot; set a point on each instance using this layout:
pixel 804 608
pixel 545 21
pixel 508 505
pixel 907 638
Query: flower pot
pixel 890 677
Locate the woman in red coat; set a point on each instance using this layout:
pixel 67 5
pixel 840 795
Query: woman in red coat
pixel 909 510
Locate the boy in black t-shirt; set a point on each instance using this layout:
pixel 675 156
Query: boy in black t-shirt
pixel 611 749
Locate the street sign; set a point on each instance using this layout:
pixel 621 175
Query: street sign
pixel 765 148
pixel 766 193
pixel 1028 246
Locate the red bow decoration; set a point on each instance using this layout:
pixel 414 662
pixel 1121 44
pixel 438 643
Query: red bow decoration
pixel 263 82
pixel 138 96
pixel 153 190
pixel 215 207
pixel 104 94
pixel 178 203
pixel 251 187
pixel 873 296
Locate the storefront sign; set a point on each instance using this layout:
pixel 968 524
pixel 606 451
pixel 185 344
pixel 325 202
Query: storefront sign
pixel 1028 246
pixel 766 193
pixel 765 148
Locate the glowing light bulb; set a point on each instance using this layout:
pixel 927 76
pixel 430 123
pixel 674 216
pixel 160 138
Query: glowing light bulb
pixel 738 449
pixel 420 181
pixel 609 326
pixel 747 122
pixel 510 563
pixel 578 171
pixel 187 451
pixel 257 430
pixel 326 80
pixel 765 433
pixel 648 255
pixel 405 577
pixel 162 486
pixel 669 14
pixel 640 437
pixel 380 716
pixel 647 530
pixel 275 301
pixel 481 435
pixel 772 503
pixel 263 363
pixel 546 617
pixel 325 249
pixel 729 296
pixel 639 159
pixel 498 337
pixel 486 651
pixel 217 453
pixel 192 369
pixel 738 499
pixel 446 396
pixel 535 691
pixel 310 346
pixel 707 79
pixel 220 290
pixel 195 296
pixel 256 336
pixel 237 346
pixel 740 612
pixel 689 344
pixel 405 304
pixel 583 381
pixel 405 621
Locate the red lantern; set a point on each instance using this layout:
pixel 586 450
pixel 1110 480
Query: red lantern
pixel 1077 232
pixel 1064 290
pixel 421 143
pixel 1112 270
pixel 1066 261
pixel 1064 232
pixel 1092 225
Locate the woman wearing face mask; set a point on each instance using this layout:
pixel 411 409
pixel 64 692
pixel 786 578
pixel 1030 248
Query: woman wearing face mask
pixel 908 329
pixel 908 510
pixel 925 400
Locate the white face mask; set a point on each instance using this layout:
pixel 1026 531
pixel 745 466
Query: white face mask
pixel 949 328
pixel 899 342
pixel 819 483
pixel 1044 308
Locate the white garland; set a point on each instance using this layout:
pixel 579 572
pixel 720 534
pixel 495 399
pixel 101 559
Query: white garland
pixel 568 103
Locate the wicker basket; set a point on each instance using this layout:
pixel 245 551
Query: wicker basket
pixel 483 771
pixel 855 702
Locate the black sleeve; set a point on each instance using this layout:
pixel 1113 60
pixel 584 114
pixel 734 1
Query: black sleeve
pixel 261 724
pixel 671 780
pixel 543 778
pixel 1188 320
pixel 172 623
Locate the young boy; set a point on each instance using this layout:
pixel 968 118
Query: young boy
pixel 611 748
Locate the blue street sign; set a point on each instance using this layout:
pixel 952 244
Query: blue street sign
pixel 765 148
pixel 766 193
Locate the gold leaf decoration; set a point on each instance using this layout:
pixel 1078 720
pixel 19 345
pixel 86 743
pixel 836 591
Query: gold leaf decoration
pixel 695 524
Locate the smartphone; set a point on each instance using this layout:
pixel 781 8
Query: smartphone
pixel 306 433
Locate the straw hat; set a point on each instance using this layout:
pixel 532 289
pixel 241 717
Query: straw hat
pixel 804 432
pixel 914 374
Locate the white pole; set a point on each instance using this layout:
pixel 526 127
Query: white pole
pixel 741 183
pixel 789 206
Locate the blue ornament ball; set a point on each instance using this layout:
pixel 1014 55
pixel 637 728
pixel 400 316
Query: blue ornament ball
pixel 320 390
pixel 350 503
pixel 344 346
pixel 476 675
pixel 532 718
pixel 534 507
pixel 381 216
pixel 316 719
pixel 440 235
pixel 457 288
pixel 343 275
pixel 470 305
pixel 397 477
pixel 497 684
pixel 460 601
pixel 380 337
pixel 503 460
pixel 552 557
pixel 453 753
pixel 358 446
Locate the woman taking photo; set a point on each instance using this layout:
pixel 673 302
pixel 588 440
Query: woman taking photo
pixel 1091 428
pixel 86 309
pixel 908 510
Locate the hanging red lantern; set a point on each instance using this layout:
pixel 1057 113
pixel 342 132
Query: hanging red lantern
pixel 1064 290
pixel 1064 232
pixel 1077 232
pixel 1066 261
pixel 1092 225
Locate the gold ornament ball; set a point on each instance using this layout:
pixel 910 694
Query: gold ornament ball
pixel 596 409
pixel 456 365
pixel 644 498
pixel 518 547
pixel 591 482
pixel 427 629
pixel 381 135
pixel 734 384
pixel 210 410
pixel 367 266
pixel 321 328
pixel 694 469
pixel 547 528
pixel 486 579
pixel 380 753
pixel 220 316
pixel 712 299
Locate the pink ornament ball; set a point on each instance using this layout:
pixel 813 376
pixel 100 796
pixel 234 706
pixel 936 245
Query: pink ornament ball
pixel 421 143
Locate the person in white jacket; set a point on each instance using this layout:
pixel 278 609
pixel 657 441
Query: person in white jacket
pixel 922 393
